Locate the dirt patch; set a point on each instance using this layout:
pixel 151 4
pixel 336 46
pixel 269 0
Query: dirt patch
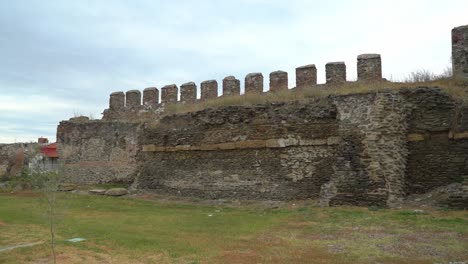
pixel 2 223
pixel 74 255
pixel 270 248
pixel 26 193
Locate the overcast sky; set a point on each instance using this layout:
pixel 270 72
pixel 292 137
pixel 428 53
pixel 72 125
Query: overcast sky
pixel 62 58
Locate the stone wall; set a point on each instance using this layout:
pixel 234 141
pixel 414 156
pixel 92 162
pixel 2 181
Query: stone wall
pixel 98 151
pixel 437 142
pixel 355 149
pixel 15 157
pixel 276 151
pixel 361 149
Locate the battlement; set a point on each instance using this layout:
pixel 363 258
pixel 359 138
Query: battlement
pixel 369 69
pixel 126 106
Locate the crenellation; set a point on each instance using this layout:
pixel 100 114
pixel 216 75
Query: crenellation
pixel 231 86
pixel 335 72
pixel 306 76
pixel 188 93
pixel 169 94
pixel 133 99
pixel 369 67
pixel 460 52
pixel 117 101
pixel 150 96
pixel 278 81
pixel 254 83
pixel 209 90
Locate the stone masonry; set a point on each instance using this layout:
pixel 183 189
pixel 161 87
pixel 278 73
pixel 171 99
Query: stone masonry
pixel 231 86
pixel 361 149
pixel 117 101
pixel 150 96
pixel 14 158
pixel 335 72
pixel 209 90
pixel 369 67
pixel 169 94
pixel 254 83
pixel 133 99
pixel 278 81
pixel 306 76
pixel 460 52
pixel 188 93
pixel 107 151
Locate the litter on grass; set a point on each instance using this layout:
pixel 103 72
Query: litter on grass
pixel 76 239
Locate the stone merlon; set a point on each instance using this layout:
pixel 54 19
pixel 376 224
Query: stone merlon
pixel 254 83
pixel 169 94
pixel 231 86
pixel 209 90
pixel 306 76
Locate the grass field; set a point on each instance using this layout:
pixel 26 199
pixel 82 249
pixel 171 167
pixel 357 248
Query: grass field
pixel 136 230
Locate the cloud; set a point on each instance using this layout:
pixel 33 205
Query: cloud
pixel 64 57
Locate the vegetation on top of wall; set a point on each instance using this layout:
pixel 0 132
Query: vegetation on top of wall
pixel 458 89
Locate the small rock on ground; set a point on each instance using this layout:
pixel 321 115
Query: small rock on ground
pixel 116 192
pixel 66 187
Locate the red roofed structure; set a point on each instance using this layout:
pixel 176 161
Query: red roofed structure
pixel 50 150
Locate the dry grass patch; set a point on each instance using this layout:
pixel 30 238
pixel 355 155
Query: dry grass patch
pixel 456 88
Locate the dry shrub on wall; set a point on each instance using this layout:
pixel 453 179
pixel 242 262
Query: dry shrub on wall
pixel 423 75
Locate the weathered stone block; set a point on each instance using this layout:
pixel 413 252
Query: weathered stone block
pixel 306 76
pixel 116 192
pixel 133 99
pixel 369 67
pixel 150 96
pixel 169 94
pixel 188 93
pixel 231 86
pixel 335 72
pixel 460 52
pixel 66 187
pixel 254 83
pixel 117 101
pixel 209 90
pixel 278 81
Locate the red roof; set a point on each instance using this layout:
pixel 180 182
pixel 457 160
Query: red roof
pixel 50 150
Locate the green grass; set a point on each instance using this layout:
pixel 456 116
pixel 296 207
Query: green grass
pixel 124 230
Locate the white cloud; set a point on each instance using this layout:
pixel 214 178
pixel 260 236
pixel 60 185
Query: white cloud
pixel 68 56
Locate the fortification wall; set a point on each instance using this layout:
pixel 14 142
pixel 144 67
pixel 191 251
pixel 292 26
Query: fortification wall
pixel 360 149
pixel 438 142
pixel 363 149
pixel 98 151
pixel 356 149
